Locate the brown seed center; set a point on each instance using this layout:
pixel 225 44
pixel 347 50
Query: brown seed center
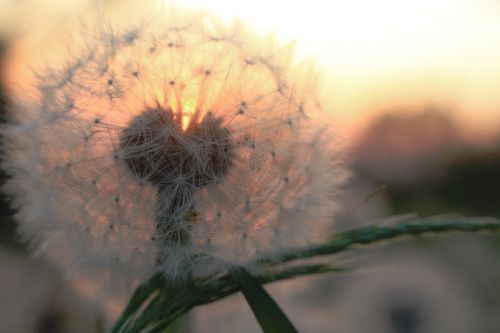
pixel 157 149
pixel 178 161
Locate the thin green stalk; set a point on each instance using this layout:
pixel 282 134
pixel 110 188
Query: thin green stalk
pixel 374 234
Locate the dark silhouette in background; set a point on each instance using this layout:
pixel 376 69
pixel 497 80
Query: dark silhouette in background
pixel 2 93
pixel 472 183
pixel 8 236
pixel 401 147
pixel 426 166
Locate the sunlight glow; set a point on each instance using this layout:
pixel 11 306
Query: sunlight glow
pixel 372 55
pixel 188 108
pixel 389 53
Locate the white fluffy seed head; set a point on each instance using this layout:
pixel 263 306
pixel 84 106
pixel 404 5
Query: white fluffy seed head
pixel 175 144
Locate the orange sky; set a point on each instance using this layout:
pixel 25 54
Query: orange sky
pixel 392 53
pixel 376 55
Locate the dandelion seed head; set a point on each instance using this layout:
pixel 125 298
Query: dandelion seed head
pixel 174 144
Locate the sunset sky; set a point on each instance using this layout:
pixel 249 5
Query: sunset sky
pixel 379 55
pixel 392 53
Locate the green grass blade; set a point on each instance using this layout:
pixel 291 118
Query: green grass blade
pixel 269 315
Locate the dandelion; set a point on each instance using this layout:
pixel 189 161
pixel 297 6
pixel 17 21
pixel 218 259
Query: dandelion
pixel 174 144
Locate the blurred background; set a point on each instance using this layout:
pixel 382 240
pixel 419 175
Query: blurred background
pixel 415 90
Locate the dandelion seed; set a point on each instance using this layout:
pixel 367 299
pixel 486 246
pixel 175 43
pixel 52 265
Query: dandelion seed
pixel 185 160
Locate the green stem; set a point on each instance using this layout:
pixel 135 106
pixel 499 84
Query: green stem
pixel 373 234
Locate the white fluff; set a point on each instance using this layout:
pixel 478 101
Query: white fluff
pixel 83 208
